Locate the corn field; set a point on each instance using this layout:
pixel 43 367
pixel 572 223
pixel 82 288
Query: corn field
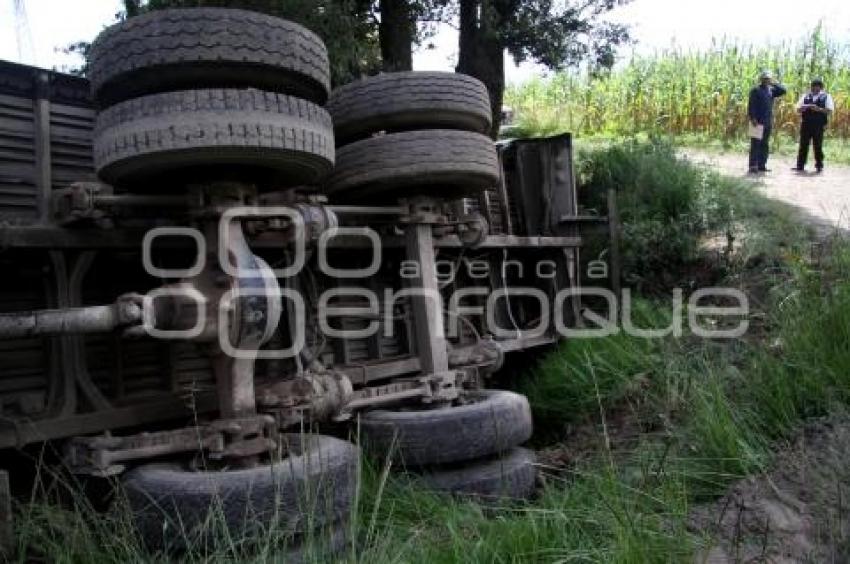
pixel 683 92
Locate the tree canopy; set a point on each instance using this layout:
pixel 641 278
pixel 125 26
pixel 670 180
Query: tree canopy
pixel 536 30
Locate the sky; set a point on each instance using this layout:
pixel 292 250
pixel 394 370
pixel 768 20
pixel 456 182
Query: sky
pixel 50 25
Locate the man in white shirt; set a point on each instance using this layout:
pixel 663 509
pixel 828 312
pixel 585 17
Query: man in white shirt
pixel 815 108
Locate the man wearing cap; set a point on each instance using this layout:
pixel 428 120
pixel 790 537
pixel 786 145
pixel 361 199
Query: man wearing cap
pixel 760 110
pixel 815 108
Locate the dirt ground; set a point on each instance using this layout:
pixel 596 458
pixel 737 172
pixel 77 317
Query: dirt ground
pixel 822 199
pixel 797 512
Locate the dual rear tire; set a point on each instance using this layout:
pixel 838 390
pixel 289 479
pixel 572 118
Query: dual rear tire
pixel 469 449
pixel 412 133
pixel 309 492
pixel 511 476
pixel 188 94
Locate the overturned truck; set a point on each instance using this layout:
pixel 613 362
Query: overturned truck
pixel 208 255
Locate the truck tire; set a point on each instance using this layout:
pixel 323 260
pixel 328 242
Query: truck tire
pixel 174 508
pixel 271 136
pixel 177 49
pixel 402 101
pixel 439 162
pixel 512 476
pixel 492 423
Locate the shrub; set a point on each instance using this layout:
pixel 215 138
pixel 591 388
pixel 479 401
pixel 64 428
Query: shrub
pixel 667 204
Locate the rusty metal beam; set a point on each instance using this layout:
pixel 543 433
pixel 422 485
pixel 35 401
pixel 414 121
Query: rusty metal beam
pixel 67 321
pixel 362 374
pixel 169 408
pixel 235 382
pixel 369 210
pixel 75 320
pixel 431 344
pixel 51 237
pixel 22 432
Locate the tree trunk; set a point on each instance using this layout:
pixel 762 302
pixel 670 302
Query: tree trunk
pixel 482 53
pixel 131 7
pixel 396 31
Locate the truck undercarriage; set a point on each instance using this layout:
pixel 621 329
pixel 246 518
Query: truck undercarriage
pixel 212 308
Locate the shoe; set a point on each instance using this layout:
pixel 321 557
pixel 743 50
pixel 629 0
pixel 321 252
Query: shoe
pixel 798 169
pixel 764 170
pixel 819 170
pixel 753 171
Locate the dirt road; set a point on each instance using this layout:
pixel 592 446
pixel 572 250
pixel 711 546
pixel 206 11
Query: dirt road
pixel 822 199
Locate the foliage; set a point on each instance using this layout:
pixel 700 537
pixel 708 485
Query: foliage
pixel 408 23
pixel 667 204
pixel 80 48
pixel 720 406
pixel 716 407
pixel 674 92
pixel 555 34
pixel 563 34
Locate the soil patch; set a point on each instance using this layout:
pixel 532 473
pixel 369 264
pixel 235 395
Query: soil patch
pixel 796 512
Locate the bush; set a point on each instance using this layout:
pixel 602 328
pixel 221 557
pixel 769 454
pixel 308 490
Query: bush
pixel 667 204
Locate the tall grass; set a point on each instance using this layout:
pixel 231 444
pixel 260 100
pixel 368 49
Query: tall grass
pixel 722 404
pixel 590 516
pixel 676 92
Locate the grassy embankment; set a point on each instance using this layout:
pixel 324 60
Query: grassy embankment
pixel 666 423
pixel 698 98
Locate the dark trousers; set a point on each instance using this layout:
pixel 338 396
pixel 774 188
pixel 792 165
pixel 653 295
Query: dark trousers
pixel 760 150
pixel 811 133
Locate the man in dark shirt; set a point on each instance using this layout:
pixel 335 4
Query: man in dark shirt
pixel 815 107
pixel 760 111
